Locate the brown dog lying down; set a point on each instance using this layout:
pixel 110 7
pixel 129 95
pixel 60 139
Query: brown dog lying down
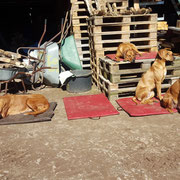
pixel 153 78
pixel 33 104
pixel 127 51
pixel 171 99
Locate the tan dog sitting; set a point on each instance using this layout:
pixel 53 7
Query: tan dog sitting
pixel 153 78
pixel 33 104
pixel 127 51
pixel 171 99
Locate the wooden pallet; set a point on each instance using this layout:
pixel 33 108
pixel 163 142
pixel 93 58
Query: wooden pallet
pixel 117 71
pixel 107 32
pixel 116 91
pixel 119 79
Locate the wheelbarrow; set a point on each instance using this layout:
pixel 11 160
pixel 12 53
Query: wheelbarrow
pixel 45 55
pixel 34 63
pixel 8 75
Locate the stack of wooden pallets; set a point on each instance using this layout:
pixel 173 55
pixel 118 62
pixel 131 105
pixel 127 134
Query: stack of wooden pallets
pixel 80 30
pixel 105 34
pixel 98 36
pixel 118 79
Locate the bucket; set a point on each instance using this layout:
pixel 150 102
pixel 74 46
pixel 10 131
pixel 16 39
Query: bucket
pixel 80 82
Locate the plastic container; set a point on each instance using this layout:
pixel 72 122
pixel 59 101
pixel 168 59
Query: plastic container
pixel 69 53
pixel 80 82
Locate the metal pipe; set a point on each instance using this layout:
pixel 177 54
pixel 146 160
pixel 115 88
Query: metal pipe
pixel 45 24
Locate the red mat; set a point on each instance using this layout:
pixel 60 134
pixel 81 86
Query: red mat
pixel 141 109
pixel 88 106
pixel 151 55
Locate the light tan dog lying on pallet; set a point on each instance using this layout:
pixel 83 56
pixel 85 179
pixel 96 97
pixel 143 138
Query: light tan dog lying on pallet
pixel 153 78
pixel 127 51
pixel 33 104
pixel 171 99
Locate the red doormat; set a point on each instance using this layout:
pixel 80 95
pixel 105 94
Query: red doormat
pixel 88 106
pixel 150 55
pixel 141 109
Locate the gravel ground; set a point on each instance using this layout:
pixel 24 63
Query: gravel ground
pixel 112 148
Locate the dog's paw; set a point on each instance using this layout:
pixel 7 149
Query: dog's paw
pixel 170 110
pixel 160 98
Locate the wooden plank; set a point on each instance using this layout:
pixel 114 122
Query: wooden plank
pixel 124 32
pixel 102 51
pixel 6 60
pixel 133 15
pixel 126 23
pixel 101 42
pixel 80 17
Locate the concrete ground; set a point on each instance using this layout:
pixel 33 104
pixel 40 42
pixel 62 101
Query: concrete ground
pixel 115 147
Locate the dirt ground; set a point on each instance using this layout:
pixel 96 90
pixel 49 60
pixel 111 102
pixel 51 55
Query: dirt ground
pixel 112 148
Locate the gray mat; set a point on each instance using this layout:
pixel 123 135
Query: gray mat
pixel 21 118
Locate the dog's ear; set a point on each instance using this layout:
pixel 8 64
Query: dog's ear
pixel 161 53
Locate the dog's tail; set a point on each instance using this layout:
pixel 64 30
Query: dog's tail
pixel 134 99
pixel 38 110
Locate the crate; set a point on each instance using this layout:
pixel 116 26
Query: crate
pixel 120 79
